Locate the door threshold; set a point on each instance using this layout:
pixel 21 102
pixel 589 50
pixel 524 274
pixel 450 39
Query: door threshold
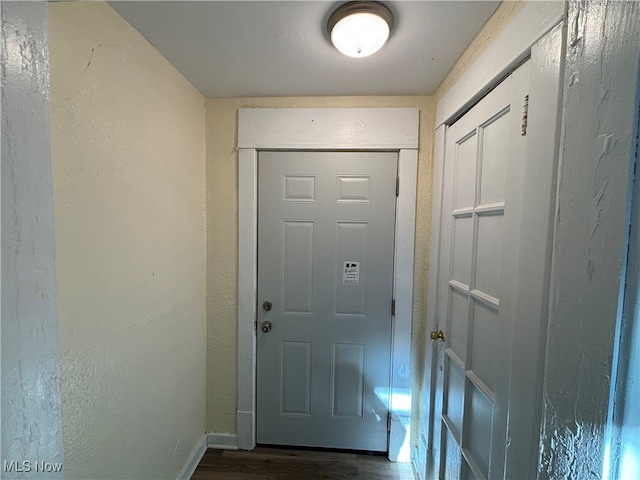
pixel 293 448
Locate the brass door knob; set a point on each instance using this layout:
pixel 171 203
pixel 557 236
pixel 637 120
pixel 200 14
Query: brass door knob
pixel 439 335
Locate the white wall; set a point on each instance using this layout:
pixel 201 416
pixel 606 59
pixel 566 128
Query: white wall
pixel 31 417
pixel 622 448
pixel 598 146
pixel 128 146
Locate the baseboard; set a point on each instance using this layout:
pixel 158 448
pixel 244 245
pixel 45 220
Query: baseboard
pixel 194 459
pixel 226 441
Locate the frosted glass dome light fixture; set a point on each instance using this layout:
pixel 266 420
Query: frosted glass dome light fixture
pixel 359 29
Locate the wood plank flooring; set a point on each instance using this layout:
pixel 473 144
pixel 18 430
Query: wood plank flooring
pixel 284 464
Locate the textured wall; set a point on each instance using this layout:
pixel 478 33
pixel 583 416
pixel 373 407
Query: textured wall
pixel 128 147
pixel 31 417
pixel 222 237
pixel 598 151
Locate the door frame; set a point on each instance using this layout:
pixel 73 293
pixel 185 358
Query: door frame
pixel 536 32
pixel 368 129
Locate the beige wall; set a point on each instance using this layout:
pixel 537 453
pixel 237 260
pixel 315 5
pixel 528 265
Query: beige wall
pixel 222 236
pixel 128 149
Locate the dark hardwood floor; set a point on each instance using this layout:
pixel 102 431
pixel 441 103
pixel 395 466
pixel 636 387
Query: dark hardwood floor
pixel 284 464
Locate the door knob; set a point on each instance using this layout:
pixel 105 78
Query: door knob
pixel 265 326
pixel 267 305
pixel 439 335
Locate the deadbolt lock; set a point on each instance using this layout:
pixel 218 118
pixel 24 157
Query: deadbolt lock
pixel 265 326
pixel 439 335
pixel 267 305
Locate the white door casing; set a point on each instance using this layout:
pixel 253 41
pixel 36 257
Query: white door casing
pixel 535 234
pixel 394 129
pixel 326 228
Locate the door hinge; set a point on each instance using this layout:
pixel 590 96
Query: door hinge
pixel 255 325
pixel 388 420
pixel 393 307
pixel 525 115
pixel 397 186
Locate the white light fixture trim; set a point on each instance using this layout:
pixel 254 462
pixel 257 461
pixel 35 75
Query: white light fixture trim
pixel 359 29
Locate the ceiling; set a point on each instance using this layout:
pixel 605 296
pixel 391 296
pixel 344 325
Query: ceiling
pixel 281 48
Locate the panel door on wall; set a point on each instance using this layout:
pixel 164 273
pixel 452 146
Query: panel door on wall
pixel 478 271
pixel 326 227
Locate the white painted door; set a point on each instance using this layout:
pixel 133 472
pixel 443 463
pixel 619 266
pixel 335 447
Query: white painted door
pixel 481 215
pixel 325 263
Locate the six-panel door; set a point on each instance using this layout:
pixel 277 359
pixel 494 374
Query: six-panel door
pixel 326 223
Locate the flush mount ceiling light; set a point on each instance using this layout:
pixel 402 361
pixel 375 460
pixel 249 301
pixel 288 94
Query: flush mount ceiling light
pixel 359 29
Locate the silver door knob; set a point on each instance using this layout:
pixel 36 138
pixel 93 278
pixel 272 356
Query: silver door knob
pixel 265 326
pixel 267 305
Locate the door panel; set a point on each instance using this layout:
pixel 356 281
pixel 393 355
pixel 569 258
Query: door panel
pixel 480 225
pixel 326 226
pixel 348 380
pixel 295 392
pixel 297 271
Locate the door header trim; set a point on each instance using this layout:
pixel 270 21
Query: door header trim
pixel 328 128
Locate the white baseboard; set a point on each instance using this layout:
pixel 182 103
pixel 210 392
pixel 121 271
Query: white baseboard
pixel 194 459
pixel 226 441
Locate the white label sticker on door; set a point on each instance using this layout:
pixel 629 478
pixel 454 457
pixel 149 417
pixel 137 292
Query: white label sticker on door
pixel 351 273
